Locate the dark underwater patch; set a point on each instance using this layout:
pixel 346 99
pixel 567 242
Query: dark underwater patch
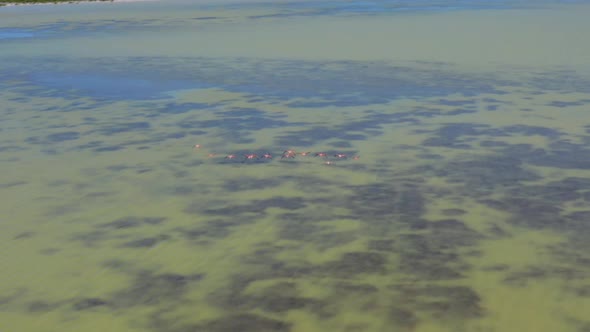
pixel 298 231
pixel 430 265
pixel 488 172
pixel 347 288
pixel 179 108
pixel 89 303
pixel 132 222
pixel 522 276
pixel 495 230
pixel 213 229
pixel 280 298
pixel 153 138
pixel 277 80
pixel 11 148
pixel 24 235
pixel 578 221
pixel 49 251
pixel 239 121
pixel 331 239
pixel 331 103
pixel 353 263
pixel 527 130
pixel 183 190
pixel 124 127
pixel 433 255
pixel 247 112
pixel 461 135
pixel 172 136
pixel 584 327
pixel 62 137
pixel 430 156
pixel 89 120
pixel 205 18
pixel 90 145
pixel 12 184
pixel 251 183
pixel 310 183
pixel 461 111
pixel 382 245
pixel 153 289
pixel 443 302
pixel 341 144
pixel 311 228
pixel 559 154
pixel 496 268
pixel 384 208
pixel 231 297
pixel 464 102
pixel 561 191
pixel 41 306
pixel 15 295
pixel 259 206
pixel 452 233
pixel 109 148
pixel 99 194
pixel 244 322
pixel 402 317
pixel 561 104
pixel 370 124
pixel 118 168
pixel 145 242
pixel 103 83
pixel 91 239
pixel 530 212
pixel 561 80
pixel 119 265
pixel 453 212
pixel 455 135
pixel 583 291
pixel 197 132
pixel 492 144
pixel 419 112
pixel 458 301
pixel 309 137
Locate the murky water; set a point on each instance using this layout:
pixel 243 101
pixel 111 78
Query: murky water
pixel 463 202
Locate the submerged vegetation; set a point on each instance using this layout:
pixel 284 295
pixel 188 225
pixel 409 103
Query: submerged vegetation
pixel 182 192
pixel 264 241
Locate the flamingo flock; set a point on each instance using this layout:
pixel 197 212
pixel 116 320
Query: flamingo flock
pixel 328 158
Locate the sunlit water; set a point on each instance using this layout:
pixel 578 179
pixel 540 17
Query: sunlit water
pixel 463 203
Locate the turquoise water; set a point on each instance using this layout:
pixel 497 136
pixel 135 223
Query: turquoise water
pixel 419 166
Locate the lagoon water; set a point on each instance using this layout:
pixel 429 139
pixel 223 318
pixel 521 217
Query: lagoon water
pixel 467 209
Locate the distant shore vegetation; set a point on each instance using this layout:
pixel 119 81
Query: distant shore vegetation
pixel 29 2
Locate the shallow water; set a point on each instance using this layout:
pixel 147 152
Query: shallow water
pixel 467 208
